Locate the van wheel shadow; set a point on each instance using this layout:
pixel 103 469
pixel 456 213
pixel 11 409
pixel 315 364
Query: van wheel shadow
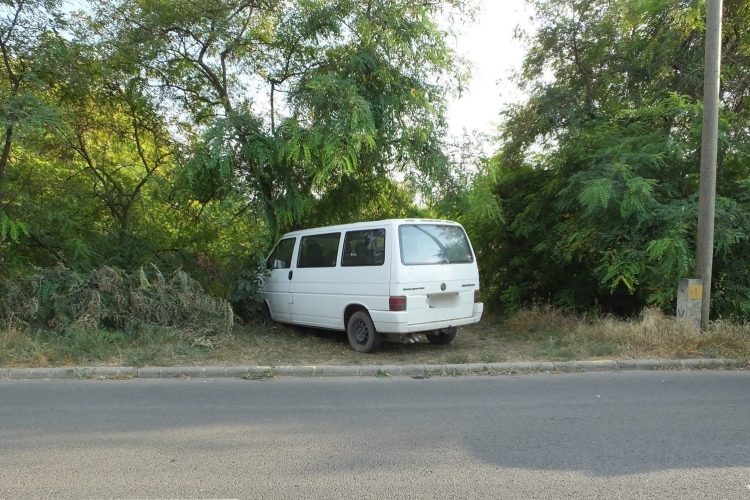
pixel 320 333
pixel 339 337
pixel 387 346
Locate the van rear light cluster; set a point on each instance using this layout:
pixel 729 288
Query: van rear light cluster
pixel 477 296
pixel 397 303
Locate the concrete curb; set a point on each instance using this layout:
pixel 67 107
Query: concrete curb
pixel 266 372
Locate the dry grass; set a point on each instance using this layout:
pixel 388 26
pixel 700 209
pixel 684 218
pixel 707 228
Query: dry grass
pixel 657 335
pixel 653 334
pixel 540 333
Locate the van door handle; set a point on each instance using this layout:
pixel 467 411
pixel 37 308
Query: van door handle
pixel 290 274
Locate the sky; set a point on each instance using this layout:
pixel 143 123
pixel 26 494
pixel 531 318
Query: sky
pixel 494 54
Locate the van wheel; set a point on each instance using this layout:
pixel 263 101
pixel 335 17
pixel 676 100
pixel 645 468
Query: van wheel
pixel 362 334
pixel 443 336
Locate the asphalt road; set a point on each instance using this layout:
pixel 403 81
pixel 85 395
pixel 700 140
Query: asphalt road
pixel 592 435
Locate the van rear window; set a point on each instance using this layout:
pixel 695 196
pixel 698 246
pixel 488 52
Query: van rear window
pixel 433 244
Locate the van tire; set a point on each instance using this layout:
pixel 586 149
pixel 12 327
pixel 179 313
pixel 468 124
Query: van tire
pixel 362 334
pixel 443 336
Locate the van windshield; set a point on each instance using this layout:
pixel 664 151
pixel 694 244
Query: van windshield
pixel 433 244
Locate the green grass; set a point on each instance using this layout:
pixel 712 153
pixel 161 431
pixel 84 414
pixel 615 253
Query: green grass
pixel 457 359
pixel 602 349
pixel 557 348
pixel 490 357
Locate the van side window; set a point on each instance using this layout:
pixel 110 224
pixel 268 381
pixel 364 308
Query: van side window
pixel 281 257
pixel 319 250
pixel 364 248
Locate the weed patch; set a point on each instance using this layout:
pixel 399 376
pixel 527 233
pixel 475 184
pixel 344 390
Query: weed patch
pixel 268 373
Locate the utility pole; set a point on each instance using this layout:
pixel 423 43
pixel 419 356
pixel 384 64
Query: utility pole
pixel 709 144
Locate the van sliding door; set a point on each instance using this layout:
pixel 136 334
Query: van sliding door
pixel 314 286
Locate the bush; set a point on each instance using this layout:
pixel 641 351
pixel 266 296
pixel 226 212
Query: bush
pixel 245 298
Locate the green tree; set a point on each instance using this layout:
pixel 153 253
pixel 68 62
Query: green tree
pixel 598 169
pixel 93 174
pixel 290 99
pixel 188 133
pixel 28 35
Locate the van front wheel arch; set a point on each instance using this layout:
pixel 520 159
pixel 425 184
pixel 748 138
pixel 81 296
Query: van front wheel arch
pixel 442 336
pixel 265 314
pixel 362 334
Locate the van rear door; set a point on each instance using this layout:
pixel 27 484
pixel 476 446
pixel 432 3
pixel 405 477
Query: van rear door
pixel 438 272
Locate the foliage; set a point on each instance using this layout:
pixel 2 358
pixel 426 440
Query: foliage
pixel 11 229
pixel 351 97
pixel 28 38
pixel 245 298
pixel 188 134
pixel 60 298
pixel 597 174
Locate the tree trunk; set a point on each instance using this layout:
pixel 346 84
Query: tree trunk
pixel 4 160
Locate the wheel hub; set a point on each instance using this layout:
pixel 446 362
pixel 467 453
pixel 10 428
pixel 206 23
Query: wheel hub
pixel 361 332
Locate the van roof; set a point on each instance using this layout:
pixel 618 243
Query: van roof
pixel 355 225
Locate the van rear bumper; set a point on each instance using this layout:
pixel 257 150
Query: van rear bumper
pixel 398 322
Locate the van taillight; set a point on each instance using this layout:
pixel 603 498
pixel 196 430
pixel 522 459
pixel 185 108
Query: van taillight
pixel 477 296
pixel 397 303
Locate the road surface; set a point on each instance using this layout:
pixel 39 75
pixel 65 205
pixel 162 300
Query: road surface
pixel 592 435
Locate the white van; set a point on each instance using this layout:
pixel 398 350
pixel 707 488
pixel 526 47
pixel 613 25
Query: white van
pixel 383 279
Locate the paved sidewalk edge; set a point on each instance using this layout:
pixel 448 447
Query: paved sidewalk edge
pixel 266 372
